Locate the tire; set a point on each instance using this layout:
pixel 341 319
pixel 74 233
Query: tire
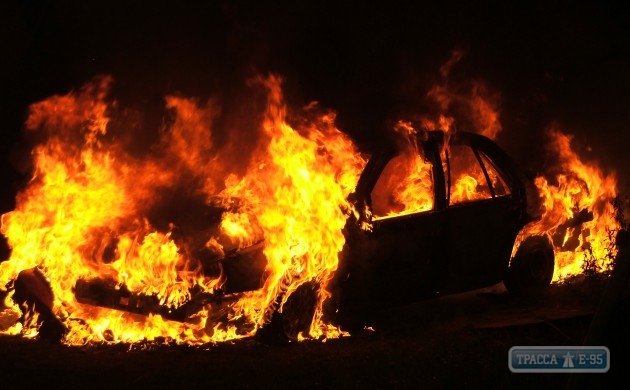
pixel 296 316
pixel 532 267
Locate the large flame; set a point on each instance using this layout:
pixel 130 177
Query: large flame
pixel 408 178
pixel 95 210
pixel 298 188
pixel 578 211
pixel 88 211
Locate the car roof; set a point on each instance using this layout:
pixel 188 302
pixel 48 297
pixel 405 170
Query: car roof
pixel 434 140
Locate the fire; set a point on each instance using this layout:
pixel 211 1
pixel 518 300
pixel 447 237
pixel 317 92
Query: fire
pixel 471 107
pixel 299 185
pixel 408 175
pixel 578 211
pixel 76 219
pixel 577 197
pixel 136 221
pixel 89 214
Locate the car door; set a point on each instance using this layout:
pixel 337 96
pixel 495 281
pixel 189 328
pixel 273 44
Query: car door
pixel 484 214
pixel 402 255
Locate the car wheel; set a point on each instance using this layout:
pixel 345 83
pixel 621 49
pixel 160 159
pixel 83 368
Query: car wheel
pixel 532 266
pixel 296 316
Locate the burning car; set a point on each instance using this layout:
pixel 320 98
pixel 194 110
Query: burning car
pixel 453 230
pixel 195 242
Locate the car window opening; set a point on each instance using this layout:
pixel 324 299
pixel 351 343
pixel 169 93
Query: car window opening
pixel 497 181
pixel 485 173
pixel 404 187
pixel 469 178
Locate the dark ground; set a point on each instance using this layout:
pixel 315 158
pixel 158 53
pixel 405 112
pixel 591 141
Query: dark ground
pixel 450 342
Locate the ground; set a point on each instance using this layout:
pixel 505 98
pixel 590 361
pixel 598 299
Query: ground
pixel 453 341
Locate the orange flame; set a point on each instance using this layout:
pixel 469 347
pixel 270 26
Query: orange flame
pixel 298 188
pixel 473 104
pixel 578 213
pixel 405 185
pixel 88 212
pixel 85 213
pixel 77 219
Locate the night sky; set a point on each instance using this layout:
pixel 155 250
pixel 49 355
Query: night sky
pixel 551 62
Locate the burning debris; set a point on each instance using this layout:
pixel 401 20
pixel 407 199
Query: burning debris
pixel 170 242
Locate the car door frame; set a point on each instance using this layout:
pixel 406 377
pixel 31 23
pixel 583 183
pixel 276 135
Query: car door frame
pixel 505 215
pixel 368 239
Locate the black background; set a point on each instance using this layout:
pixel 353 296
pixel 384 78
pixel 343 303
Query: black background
pixel 552 62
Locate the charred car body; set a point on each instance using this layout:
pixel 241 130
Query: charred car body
pixel 450 244
pixel 454 232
